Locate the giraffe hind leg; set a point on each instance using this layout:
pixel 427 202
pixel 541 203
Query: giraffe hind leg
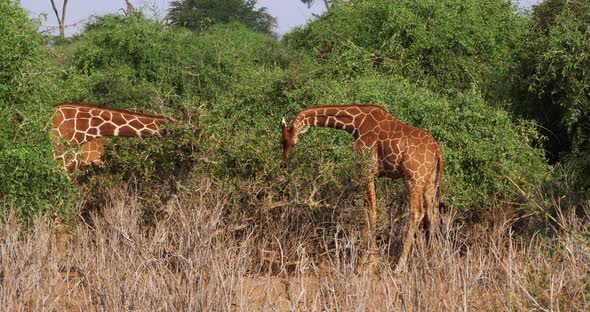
pixel 431 220
pixel 415 217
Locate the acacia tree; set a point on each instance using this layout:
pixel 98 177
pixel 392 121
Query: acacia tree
pixel 201 14
pixel 60 19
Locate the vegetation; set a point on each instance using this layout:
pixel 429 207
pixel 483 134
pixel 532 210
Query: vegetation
pixel 440 67
pixel 242 92
pixel 553 87
pixel 202 14
pixel 198 258
pixel 504 92
pixel 30 179
pixel 438 44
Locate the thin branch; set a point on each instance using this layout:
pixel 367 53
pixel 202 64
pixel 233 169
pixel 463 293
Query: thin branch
pixel 60 20
pixel 63 14
pixel 55 10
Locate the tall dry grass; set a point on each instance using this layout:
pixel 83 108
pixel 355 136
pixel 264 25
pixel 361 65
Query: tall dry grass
pixel 201 255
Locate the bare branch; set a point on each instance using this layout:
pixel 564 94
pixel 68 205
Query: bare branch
pixel 60 20
pixel 63 15
pixel 130 8
pixel 55 10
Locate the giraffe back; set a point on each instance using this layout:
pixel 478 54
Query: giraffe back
pixel 83 126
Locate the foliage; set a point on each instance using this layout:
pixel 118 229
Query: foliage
pixel 31 179
pixel 214 82
pixel 554 86
pixel 435 65
pixel 327 3
pixel 439 66
pixel 202 14
pixel 438 44
pixel 137 64
pixel 236 85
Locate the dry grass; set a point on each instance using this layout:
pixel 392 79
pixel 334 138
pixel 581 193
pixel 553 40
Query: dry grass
pixel 198 257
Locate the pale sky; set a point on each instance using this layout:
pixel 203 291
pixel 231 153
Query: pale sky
pixel 289 13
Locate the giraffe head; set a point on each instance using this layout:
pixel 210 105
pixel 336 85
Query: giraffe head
pixel 289 136
pixel 288 139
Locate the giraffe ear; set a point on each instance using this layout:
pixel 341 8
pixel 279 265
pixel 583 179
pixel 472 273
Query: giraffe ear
pixel 283 122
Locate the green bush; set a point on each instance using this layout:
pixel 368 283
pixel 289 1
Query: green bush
pixel 230 87
pixel 220 83
pixel 201 14
pixel 554 83
pixel 31 180
pixel 238 84
pixel 439 44
pixel 137 64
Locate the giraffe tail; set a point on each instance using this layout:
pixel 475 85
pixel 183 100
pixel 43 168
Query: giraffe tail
pixel 437 189
pixel 439 174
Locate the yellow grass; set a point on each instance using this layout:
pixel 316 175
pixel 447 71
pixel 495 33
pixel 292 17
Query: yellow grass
pixel 196 258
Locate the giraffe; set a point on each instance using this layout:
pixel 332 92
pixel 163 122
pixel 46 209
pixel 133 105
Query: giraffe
pixel 84 126
pixel 397 150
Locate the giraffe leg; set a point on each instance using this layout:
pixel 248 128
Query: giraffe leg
pixel 91 152
pixel 371 221
pixel 415 217
pixel 68 157
pixel 432 218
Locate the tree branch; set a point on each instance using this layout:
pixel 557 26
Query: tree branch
pixel 60 20
pixel 63 13
pixel 55 10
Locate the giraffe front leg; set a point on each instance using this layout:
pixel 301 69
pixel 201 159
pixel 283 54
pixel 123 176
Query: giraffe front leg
pixel 415 217
pixel 370 223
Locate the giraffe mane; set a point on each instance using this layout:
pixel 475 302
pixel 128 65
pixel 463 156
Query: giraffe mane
pixel 359 105
pixel 343 106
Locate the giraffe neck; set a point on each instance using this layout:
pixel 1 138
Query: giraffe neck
pixel 325 116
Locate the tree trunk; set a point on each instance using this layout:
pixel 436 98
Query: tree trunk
pixel 130 8
pixel 60 20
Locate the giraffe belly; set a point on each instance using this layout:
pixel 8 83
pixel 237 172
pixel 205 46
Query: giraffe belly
pixel 390 169
pixel 389 159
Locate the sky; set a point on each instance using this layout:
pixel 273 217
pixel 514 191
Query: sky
pixel 289 13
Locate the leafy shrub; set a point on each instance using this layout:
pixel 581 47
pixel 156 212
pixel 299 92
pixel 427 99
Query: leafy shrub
pixel 31 179
pixel 219 83
pixel 202 14
pixel 554 83
pixel 439 44
pixel 137 64
pixel 441 66
pixel 243 82
pixel 231 86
